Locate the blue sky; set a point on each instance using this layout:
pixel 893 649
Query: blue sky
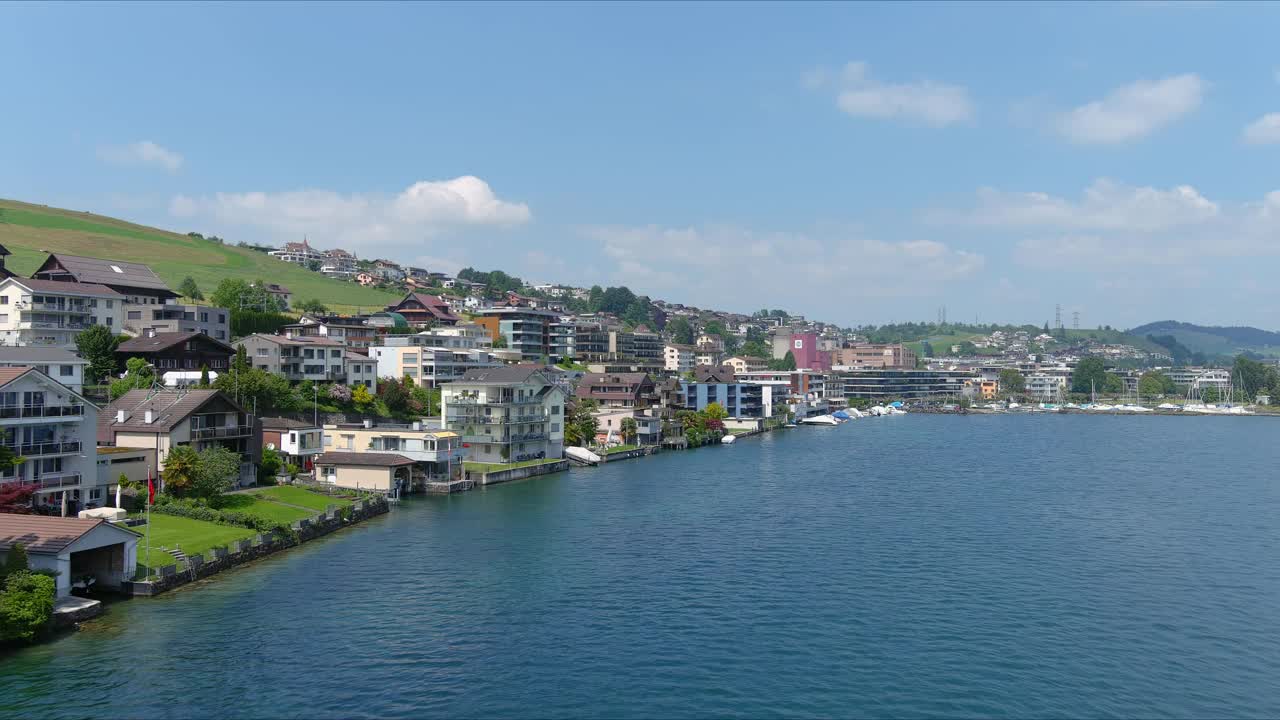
pixel 861 163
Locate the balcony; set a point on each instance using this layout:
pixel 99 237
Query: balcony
pixel 56 307
pixel 44 325
pixel 31 450
pixel 229 431
pixel 41 411
pixel 55 482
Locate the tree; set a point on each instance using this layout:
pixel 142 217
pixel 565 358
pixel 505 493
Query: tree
pixel 1090 373
pixel 394 394
pixel 1012 382
pixel 97 345
pixel 139 375
pixel 500 342
pixel 1154 383
pixel 361 398
pixel 15 563
pixel 1251 375
pixel 629 430
pixel 715 411
pixel 1209 394
pixel 240 363
pixel 217 469
pixel 26 605
pixel 15 498
pixel 594 298
pixel 235 294
pixel 681 331
pixel 579 423
pixel 755 348
pixel 268 391
pixel 1112 384
pixel 270 466
pixel 204 376
pixel 788 361
pixel 181 470
pixel 189 289
pixel 311 307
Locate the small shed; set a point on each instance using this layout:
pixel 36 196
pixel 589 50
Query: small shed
pixel 78 549
pixel 375 471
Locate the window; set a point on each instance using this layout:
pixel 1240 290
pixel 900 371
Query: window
pixel 4 317
pixel 66 370
pixel 109 321
pixel 330 473
pixel 222 318
pixel 204 317
pixel 348 442
pixel 95 494
pixel 263 352
pixel 555 409
pixel 222 334
pixel 111 303
pixel 335 353
pixel 135 314
pixel 328 440
pixel 555 427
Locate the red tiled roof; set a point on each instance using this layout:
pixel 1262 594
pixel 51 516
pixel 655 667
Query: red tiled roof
pixel 9 374
pixel 43 534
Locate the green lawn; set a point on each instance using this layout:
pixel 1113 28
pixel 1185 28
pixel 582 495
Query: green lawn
pixel 478 467
pixel 193 537
pixel 619 449
pixel 301 496
pixel 273 511
pixel 27 229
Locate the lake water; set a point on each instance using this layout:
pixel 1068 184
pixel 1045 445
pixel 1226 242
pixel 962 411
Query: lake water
pixel 1016 566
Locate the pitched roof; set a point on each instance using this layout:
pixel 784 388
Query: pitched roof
pixel 314 340
pixel 166 340
pixel 109 272
pixel 43 534
pixel 39 355
pixel 364 459
pixel 65 286
pixel 168 408
pixel 9 374
pixel 710 374
pixel 4 250
pixel 502 375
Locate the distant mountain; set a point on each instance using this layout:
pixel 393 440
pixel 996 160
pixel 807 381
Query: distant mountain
pixel 1213 340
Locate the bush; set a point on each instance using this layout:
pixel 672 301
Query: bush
pixel 197 510
pixel 26 605
pixel 15 563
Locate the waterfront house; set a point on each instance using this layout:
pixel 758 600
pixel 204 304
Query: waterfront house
pixel 188 352
pixel 422 310
pixel 133 463
pixel 387 473
pixel 136 282
pixel 52 313
pixel 740 400
pixel 74 548
pixel 618 390
pixel 62 365
pixel 162 419
pixel 297 441
pixel 50 427
pixel 172 317
pixel 507 414
pixel 435 453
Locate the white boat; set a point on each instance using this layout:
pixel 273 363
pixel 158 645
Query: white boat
pixel 582 455
pixel 878 410
pixel 897 411
pixel 728 439
pixel 820 420
pixel 1168 406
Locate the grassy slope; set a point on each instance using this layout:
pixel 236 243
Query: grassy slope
pixel 193 537
pixel 301 496
pixel 27 230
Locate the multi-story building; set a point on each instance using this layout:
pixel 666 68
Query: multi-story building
pixel 135 281
pixel 297 441
pixel 679 358
pixel 591 341
pixel 159 420
pixel 361 370
pixel 150 319
pixel 436 455
pixel 338 263
pixel 859 357
pixel 805 347
pixel 525 329
pixel 887 385
pixel 319 359
pixel 744 364
pixel 182 351
pixel 806 384
pixel 507 414
pixel 53 312
pixel 421 310
pixel 388 270
pixel 709 343
pixel 426 365
pixel 1043 387
pixel 62 365
pixel 52 429
pixel 298 253
pixel 640 346
pixel 739 399
pixel 618 390
pixel 564 339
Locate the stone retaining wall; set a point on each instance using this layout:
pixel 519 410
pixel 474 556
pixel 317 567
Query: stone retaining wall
pixel 520 473
pixel 244 551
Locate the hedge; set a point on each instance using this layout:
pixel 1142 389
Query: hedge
pixel 198 511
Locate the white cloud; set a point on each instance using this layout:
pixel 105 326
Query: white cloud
pixel 1133 111
pixel 1263 131
pixel 379 224
pixel 1114 228
pixel 711 262
pixel 143 153
pixel 923 101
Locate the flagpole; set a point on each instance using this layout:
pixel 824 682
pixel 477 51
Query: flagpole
pixel 149 486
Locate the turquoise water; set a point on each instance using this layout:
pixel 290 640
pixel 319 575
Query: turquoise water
pixel 1015 566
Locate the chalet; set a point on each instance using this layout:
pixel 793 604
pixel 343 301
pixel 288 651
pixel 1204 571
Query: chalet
pixel 177 351
pixel 422 310
pixel 4 272
pixel 137 282
pixel 618 390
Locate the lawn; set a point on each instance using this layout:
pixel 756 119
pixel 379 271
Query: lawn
pixel 478 467
pixel 273 511
pixel 301 496
pixel 193 537
pixel 619 449
pixel 27 229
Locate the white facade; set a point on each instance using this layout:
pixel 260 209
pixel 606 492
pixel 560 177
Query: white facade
pixel 1045 387
pixel 52 313
pixel 54 430
pixel 506 421
pixel 678 358
pixel 62 365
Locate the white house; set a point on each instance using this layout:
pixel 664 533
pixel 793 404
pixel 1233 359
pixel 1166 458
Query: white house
pixel 77 549
pixel 506 414
pixel 62 365
pixel 53 429
pixel 54 312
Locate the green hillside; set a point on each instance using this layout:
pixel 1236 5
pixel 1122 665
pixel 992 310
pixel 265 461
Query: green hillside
pixel 30 231
pixel 1213 340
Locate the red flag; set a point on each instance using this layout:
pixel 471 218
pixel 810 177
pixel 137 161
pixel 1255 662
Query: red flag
pixel 151 489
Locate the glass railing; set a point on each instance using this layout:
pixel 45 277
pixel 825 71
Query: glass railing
pixel 35 411
pixel 49 448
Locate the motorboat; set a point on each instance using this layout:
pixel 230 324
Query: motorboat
pixel 728 439
pixel 820 420
pixel 582 456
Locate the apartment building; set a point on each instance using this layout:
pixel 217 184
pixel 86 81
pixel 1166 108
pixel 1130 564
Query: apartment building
pixel 360 370
pixel 1044 387
pixel 53 312
pixel 355 331
pixel 867 355
pixel 525 329
pixel 298 253
pixel 739 399
pixel 429 366
pixel 507 414
pixel 319 359
pixel 160 420
pixel 62 365
pixel 888 384
pixel 136 282
pixel 52 429
pixel 141 319
pixel 743 364
pixel 679 358
pixel 618 390
pixel 338 263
